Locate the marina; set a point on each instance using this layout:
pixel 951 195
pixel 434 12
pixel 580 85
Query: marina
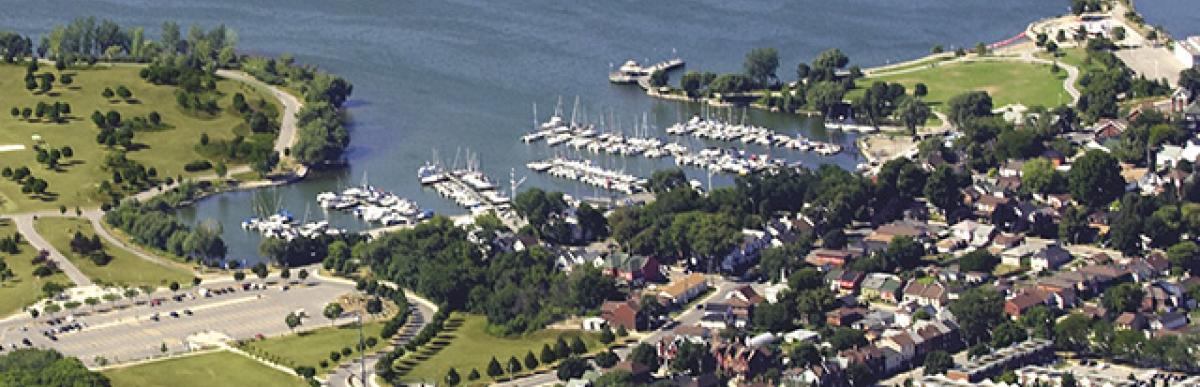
pixel 373 205
pixel 284 226
pixel 468 187
pixel 586 172
pixel 716 129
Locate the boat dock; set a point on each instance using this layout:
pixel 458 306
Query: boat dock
pixel 632 72
pixel 586 172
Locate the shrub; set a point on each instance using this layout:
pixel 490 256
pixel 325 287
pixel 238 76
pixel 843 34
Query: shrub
pixel 198 165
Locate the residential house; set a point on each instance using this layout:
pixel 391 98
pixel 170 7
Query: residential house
pixel 742 301
pixel 1169 321
pixel 1107 129
pixel 1005 241
pixel 1049 258
pixel 844 281
pixel 746 253
pixel 1170 155
pixel 829 257
pixel 630 267
pixel 823 374
pixel 742 361
pixel 626 314
pixel 870 356
pixel 974 233
pixel 1024 300
pixel 844 316
pixel 881 286
pixel 1130 321
pixel 683 290
pixel 933 294
pixel 716 315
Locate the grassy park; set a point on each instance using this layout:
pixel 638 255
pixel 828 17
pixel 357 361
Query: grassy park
pixel 310 347
pixel 167 147
pixel 125 268
pixel 1008 82
pixel 211 369
pixel 24 288
pixel 469 346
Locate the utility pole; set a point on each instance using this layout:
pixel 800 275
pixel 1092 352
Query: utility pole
pixel 362 351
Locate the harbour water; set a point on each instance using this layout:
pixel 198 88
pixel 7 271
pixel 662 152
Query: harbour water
pixel 463 74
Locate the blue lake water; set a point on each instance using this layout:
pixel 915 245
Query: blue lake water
pixel 463 74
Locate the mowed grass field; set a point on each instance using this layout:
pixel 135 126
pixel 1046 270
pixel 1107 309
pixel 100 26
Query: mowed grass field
pixel 74 184
pixel 206 370
pixel 1008 82
pixel 309 348
pixel 25 288
pixel 472 347
pixel 125 268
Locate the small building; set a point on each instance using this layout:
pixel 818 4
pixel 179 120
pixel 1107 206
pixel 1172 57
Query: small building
pixel 1187 51
pixel 933 294
pixel 683 290
pixel 1130 321
pixel 1049 258
pixel 881 286
pixel 1024 300
pixel 829 257
pixel 626 314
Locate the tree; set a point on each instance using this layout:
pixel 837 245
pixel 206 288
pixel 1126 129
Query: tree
pixel 1038 176
pixel 332 311
pixel 1125 297
pixel 220 169
pixel 107 93
pixel 302 274
pixel 285 273
pixel 912 113
pixel 825 96
pixel 644 354
pixel 547 356
pixel 692 82
pixel 514 365
pixel 494 370
pixel 260 270
pixel 174 286
pixel 658 78
pixel 1185 257
pixel 1095 179
pixel 942 189
pixel 577 346
pixel 1039 321
pixel 937 362
pixel 38 367
pixel 572 368
pixel 977 311
pixel 920 90
pixel 292 321
pixel 805 354
pixel 607 359
pixel 239 276
pixel 452 377
pixel 1008 333
pixel 124 92
pixel 978 260
pixel 531 362
pixel 965 107
pixel 606 336
pixel 761 64
pixel 474 375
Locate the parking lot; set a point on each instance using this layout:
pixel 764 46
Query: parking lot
pixel 140 331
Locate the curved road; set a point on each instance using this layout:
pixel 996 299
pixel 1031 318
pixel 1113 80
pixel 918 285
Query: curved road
pixel 348 374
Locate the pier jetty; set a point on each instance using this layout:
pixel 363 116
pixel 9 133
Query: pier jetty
pixel 631 72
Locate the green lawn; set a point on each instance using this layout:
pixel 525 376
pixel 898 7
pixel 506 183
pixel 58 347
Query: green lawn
pixel 24 289
pixel 1007 82
pixel 74 184
pixel 207 370
pixel 309 348
pixel 125 268
pixel 472 347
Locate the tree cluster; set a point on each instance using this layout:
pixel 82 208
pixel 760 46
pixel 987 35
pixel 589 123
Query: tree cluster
pixel 156 228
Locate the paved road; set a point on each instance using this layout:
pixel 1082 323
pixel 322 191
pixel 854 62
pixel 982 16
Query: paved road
pixel 348 374
pixel 129 334
pixel 24 224
pixel 291 105
pixel 688 317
